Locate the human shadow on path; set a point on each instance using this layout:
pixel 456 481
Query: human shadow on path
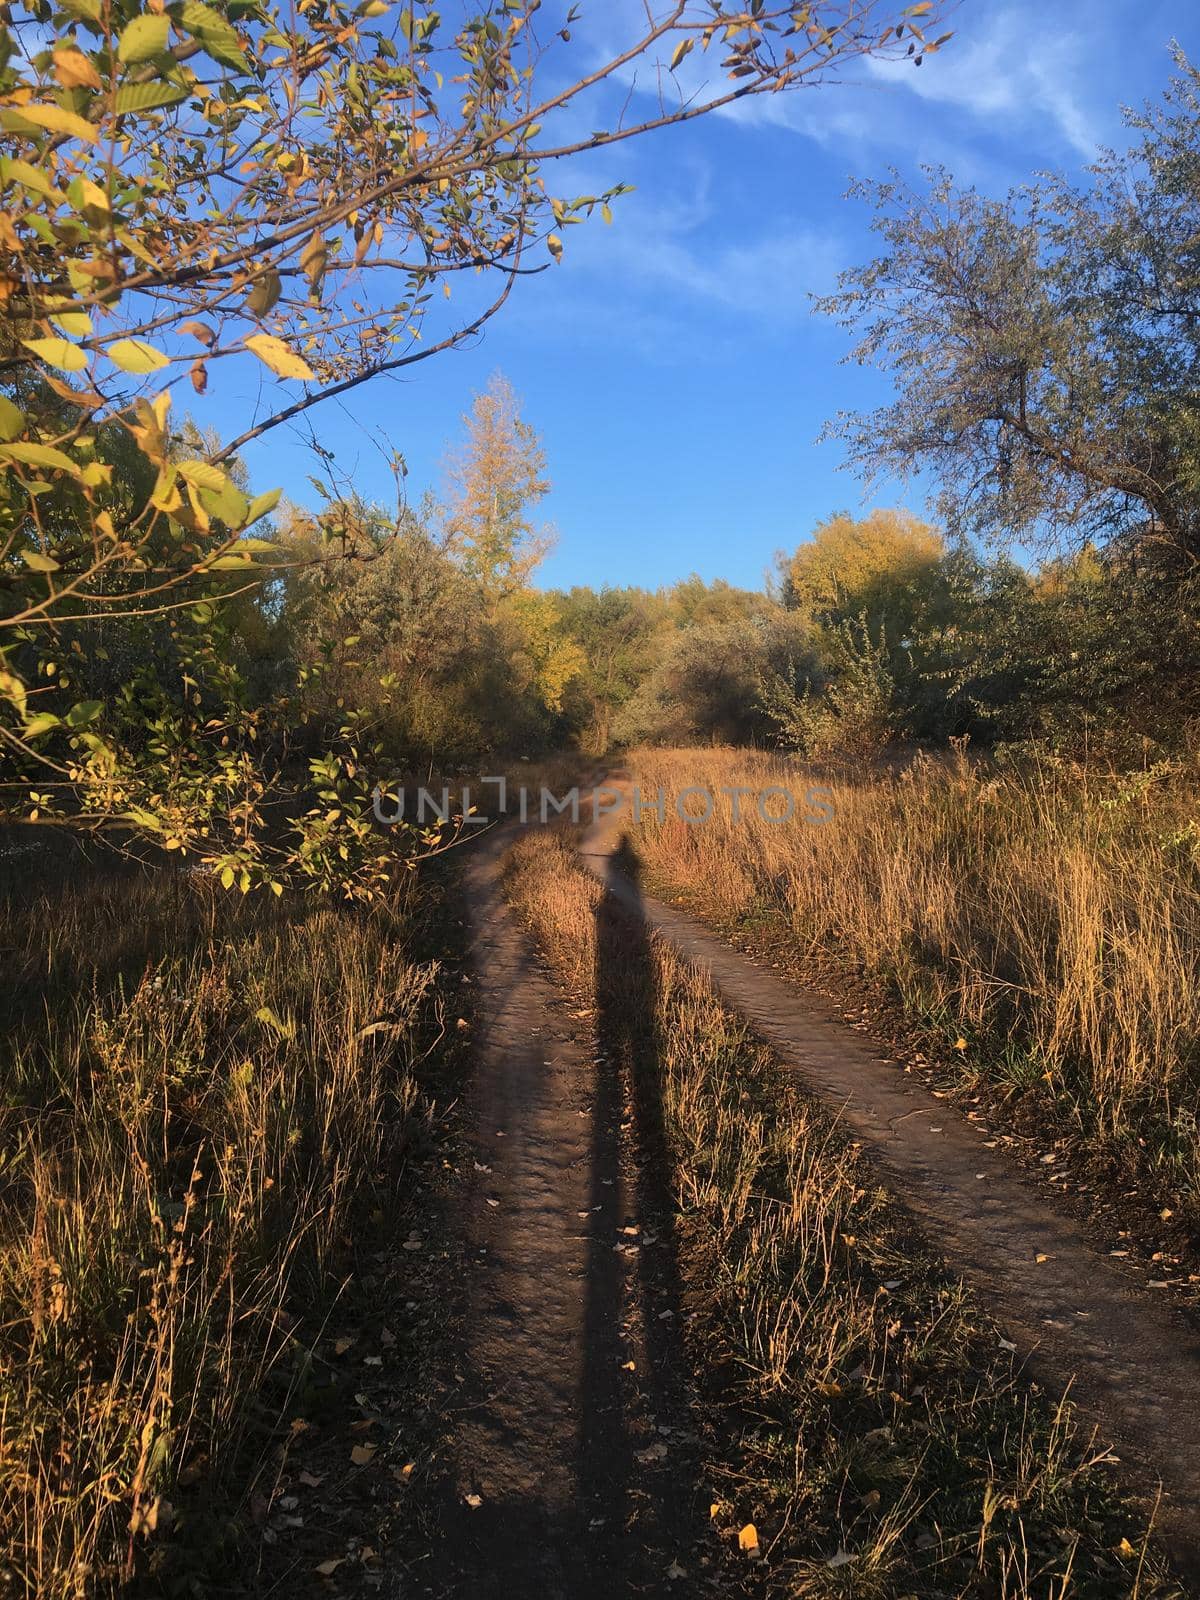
pixel 637 1452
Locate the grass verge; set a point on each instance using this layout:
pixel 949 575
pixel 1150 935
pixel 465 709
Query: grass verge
pixel 207 1103
pixel 1044 925
pixel 872 1428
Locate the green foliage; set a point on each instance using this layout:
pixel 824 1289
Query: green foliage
pixel 706 682
pixel 1045 346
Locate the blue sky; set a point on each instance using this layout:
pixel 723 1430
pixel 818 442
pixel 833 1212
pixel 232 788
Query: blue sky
pixel 671 362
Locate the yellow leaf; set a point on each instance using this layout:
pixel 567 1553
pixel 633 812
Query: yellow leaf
pixel 74 70
pixel 60 353
pixel 748 1538
pixel 135 355
pixel 56 120
pixel 1125 1548
pixel 76 322
pixel 281 359
pixel 960 1043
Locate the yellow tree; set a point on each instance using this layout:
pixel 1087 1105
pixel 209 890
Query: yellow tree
pixel 870 565
pixel 494 481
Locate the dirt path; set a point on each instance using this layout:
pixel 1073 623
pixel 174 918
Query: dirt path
pixel 1134 1362
pixel 573 1462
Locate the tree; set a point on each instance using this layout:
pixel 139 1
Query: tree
pixel 494 480
pixel 614 630
pixel 708 680
pixel 297 187
pixel 1045 347
pixel 869 568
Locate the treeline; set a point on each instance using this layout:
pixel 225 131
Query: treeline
pixel 875 631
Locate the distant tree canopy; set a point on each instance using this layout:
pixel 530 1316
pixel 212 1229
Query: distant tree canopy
pixel 1046 346
pixel 870 568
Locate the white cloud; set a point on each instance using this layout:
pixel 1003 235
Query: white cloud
pixel 1014 71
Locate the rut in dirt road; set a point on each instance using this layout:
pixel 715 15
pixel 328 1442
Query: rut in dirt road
pixel 574 1465
pixel 1133 1362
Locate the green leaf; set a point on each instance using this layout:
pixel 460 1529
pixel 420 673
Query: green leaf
pixel 39 455
pixel 42 723
pixel 84 712
pixel 204 475
pixel 261 504
pixel 84 10
pixel 12 423
pixel 60 353
pixel 148 96
pixel 210 31
pixel 143 39
pixel 135 355
pixel 285 1030
pixel 14 171
pixel 227 503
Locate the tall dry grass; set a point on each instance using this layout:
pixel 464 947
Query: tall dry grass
pixel 199 1099
pixel 864 1414
pixel 1051 918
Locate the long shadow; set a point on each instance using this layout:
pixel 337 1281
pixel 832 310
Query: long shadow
pixel 651 1476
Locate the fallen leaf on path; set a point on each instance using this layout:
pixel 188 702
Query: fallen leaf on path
pixel 474 1501
pixel 310 1480
pixel 748 1539
pixel 629 1366
pixel 362 1453
pixel 328 1568
pixel 676 1571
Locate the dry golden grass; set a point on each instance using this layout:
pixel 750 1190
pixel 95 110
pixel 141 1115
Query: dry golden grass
pixel 198 1098
pixel 1051 919
pixel 867 1418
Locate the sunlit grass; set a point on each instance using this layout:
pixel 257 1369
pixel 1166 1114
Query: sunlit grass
pixel 868 1418
pixel 1050 918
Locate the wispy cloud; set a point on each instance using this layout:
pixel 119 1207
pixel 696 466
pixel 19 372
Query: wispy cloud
pixel 1012 71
